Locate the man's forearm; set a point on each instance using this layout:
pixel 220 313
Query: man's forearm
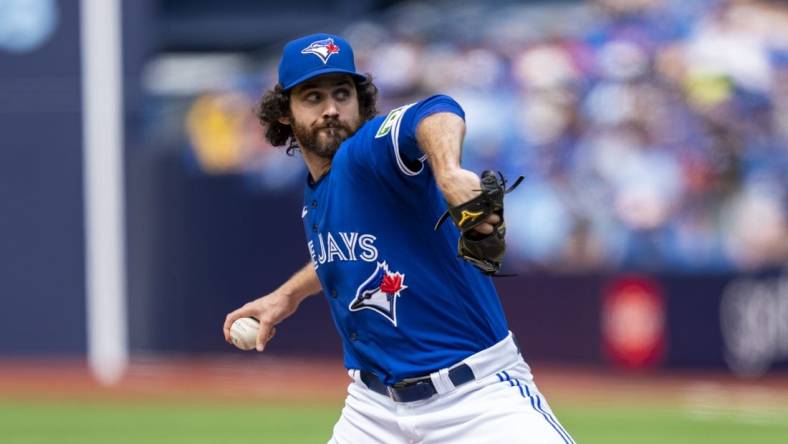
pixel 440 138
pixel 276 306
pixel 301 285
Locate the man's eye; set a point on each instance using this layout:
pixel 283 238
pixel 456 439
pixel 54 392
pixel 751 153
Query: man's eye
pixel 313 97
pixel 342 94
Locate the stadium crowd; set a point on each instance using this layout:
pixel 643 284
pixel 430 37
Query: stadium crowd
pixel 653 134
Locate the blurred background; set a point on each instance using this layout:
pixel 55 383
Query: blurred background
pixel 650 237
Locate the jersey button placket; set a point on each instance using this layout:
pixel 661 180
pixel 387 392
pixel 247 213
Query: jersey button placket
pixel 333 294
pixel 314 228
pixel 353 336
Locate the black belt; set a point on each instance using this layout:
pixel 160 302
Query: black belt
pixel 415 389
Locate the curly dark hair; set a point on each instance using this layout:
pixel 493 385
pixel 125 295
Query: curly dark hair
pixel 275 104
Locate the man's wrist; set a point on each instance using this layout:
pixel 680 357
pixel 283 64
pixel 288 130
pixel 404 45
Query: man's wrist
pixel 446 176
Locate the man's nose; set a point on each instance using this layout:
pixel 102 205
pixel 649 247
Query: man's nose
pixel 331 109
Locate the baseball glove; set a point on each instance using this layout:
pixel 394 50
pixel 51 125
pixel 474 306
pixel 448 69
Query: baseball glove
pixel 485 251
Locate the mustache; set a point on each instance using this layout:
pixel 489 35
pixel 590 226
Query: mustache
pixel 334 124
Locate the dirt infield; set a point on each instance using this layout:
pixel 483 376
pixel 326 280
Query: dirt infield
pixel 204 379
pixel 277 379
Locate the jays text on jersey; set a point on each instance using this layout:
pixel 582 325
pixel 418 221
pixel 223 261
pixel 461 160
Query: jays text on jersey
pixel 404 304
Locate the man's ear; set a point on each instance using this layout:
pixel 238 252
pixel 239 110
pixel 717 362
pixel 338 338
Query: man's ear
pixel 284 120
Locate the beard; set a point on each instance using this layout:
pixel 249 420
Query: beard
pixel 324 140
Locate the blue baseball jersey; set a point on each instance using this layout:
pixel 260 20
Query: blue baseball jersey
pixel 404 304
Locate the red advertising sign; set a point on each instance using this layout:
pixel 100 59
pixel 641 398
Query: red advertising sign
pixel 633 322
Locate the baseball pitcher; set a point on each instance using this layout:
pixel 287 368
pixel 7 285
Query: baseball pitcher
pixel 425 339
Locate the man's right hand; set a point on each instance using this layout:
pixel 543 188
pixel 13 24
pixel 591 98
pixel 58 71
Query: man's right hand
pixel 270 310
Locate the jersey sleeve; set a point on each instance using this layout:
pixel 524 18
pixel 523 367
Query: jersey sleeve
pixel 399 130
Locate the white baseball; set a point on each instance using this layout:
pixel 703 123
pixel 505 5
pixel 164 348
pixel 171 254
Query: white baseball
pixel 243 332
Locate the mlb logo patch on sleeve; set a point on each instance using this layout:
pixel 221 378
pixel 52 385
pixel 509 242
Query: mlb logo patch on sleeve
pixel 392 120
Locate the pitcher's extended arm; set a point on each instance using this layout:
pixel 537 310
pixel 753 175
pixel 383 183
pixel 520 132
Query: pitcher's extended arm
pixel 276 306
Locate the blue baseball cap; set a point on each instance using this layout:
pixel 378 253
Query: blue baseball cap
pixel 314 55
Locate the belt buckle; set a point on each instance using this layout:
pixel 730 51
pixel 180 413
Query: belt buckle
pixel 394 394
pixel 407 382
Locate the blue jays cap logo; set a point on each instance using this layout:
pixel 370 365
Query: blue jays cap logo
pixel 322 48
pixel 379 292
pixel 298 65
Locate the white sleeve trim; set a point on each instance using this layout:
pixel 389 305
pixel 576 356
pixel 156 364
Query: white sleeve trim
pixel 395 142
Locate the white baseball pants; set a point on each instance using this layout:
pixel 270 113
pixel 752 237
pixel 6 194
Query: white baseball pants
pixel 502 405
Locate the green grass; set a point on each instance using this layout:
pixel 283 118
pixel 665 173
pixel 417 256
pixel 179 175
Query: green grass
pixel 168 423
pixel 652 425
pixel 172 423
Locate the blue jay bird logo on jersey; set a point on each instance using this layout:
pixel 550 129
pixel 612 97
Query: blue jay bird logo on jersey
pixel 379 292
pixel 322 48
